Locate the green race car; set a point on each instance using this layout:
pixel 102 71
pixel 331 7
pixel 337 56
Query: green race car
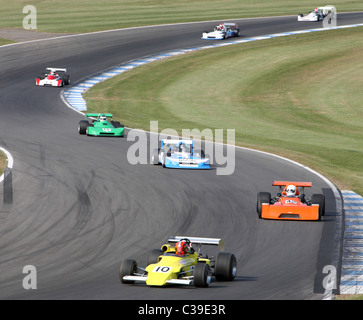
pixel 103 126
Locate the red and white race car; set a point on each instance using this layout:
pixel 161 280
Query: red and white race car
pixel 55 77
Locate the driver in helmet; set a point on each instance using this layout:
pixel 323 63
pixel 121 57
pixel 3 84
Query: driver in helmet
pixel 103 118
pixel 291 190
pixel 182 247
pixel 184 148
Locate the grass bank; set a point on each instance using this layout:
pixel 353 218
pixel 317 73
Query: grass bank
pixel 2 162
pixel 72 16
pixel 5 41
pixel 299 97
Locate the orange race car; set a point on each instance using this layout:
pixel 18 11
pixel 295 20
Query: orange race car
pixel 290 203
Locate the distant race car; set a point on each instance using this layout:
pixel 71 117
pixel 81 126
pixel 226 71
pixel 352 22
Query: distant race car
pixel 290 204
pixel 179 154
pixel 318 14
pixel 222 31
pixel 102 126
pixel 180 264
pixel 56 77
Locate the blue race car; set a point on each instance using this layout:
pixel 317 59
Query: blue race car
pixel 179 154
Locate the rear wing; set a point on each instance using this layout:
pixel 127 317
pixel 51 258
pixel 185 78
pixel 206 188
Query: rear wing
pixel 327 9
pixel 176 141
pixel 200 241
pixel 57 69
pixel 297 184
pixel 228 24
pixel 97 114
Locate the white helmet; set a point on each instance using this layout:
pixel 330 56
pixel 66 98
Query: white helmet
pixel 291 190
pixel 103 118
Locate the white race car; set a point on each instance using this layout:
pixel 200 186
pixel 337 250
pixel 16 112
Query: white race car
pixel 55 77
pixel 318 14
pixel 222 31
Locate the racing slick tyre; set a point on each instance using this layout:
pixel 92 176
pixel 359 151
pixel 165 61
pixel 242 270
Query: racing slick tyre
pixel 91 125
pixel 202 275
pixel 82 127
pixel 66 79
pixel 117 124
pixel 153 256
pixel 155 157
pixel 167 153
pixel 262 197
pixel 320 200
pixel 128 267
pixel 201 153
pixel 225 268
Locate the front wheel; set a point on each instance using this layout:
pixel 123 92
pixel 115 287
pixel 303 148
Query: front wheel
pixel 66 79
pixel 155 157
pixel 225 268
pixel 202 275
pixel 262 197
pixel 128 267
pixel 200 152
pixel 82 127
pixel 320 200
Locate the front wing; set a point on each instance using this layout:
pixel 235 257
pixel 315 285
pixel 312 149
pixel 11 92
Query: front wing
pixel 48 83
pixel 170 281
pixel 213 36
pixel 308 18
pixel 105 132
pixel 176 163
pixel 283 212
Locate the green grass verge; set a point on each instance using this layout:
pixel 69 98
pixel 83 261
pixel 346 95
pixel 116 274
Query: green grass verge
pixel 297 96
pixel 88 15
pixel 2 162
pixel 349 297
pixel 5 41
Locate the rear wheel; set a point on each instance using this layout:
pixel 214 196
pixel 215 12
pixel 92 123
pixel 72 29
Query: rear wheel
pixel 128 267
pixel 117 124
pixel 153 256
pixel 225 268
pixel 202 275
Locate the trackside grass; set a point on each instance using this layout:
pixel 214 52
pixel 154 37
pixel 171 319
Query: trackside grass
pixel 297 96
pixel 75 16
pixel 2 162
pixel 5 41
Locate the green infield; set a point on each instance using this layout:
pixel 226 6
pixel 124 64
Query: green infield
pixel 5 41
pixel 75 16
pixel 2 162
pixel 349 297
pixel 297 96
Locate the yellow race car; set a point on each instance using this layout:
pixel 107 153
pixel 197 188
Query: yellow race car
pixel 181 264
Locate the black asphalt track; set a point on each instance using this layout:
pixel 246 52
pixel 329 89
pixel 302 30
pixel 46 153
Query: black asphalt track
pixel 78 207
